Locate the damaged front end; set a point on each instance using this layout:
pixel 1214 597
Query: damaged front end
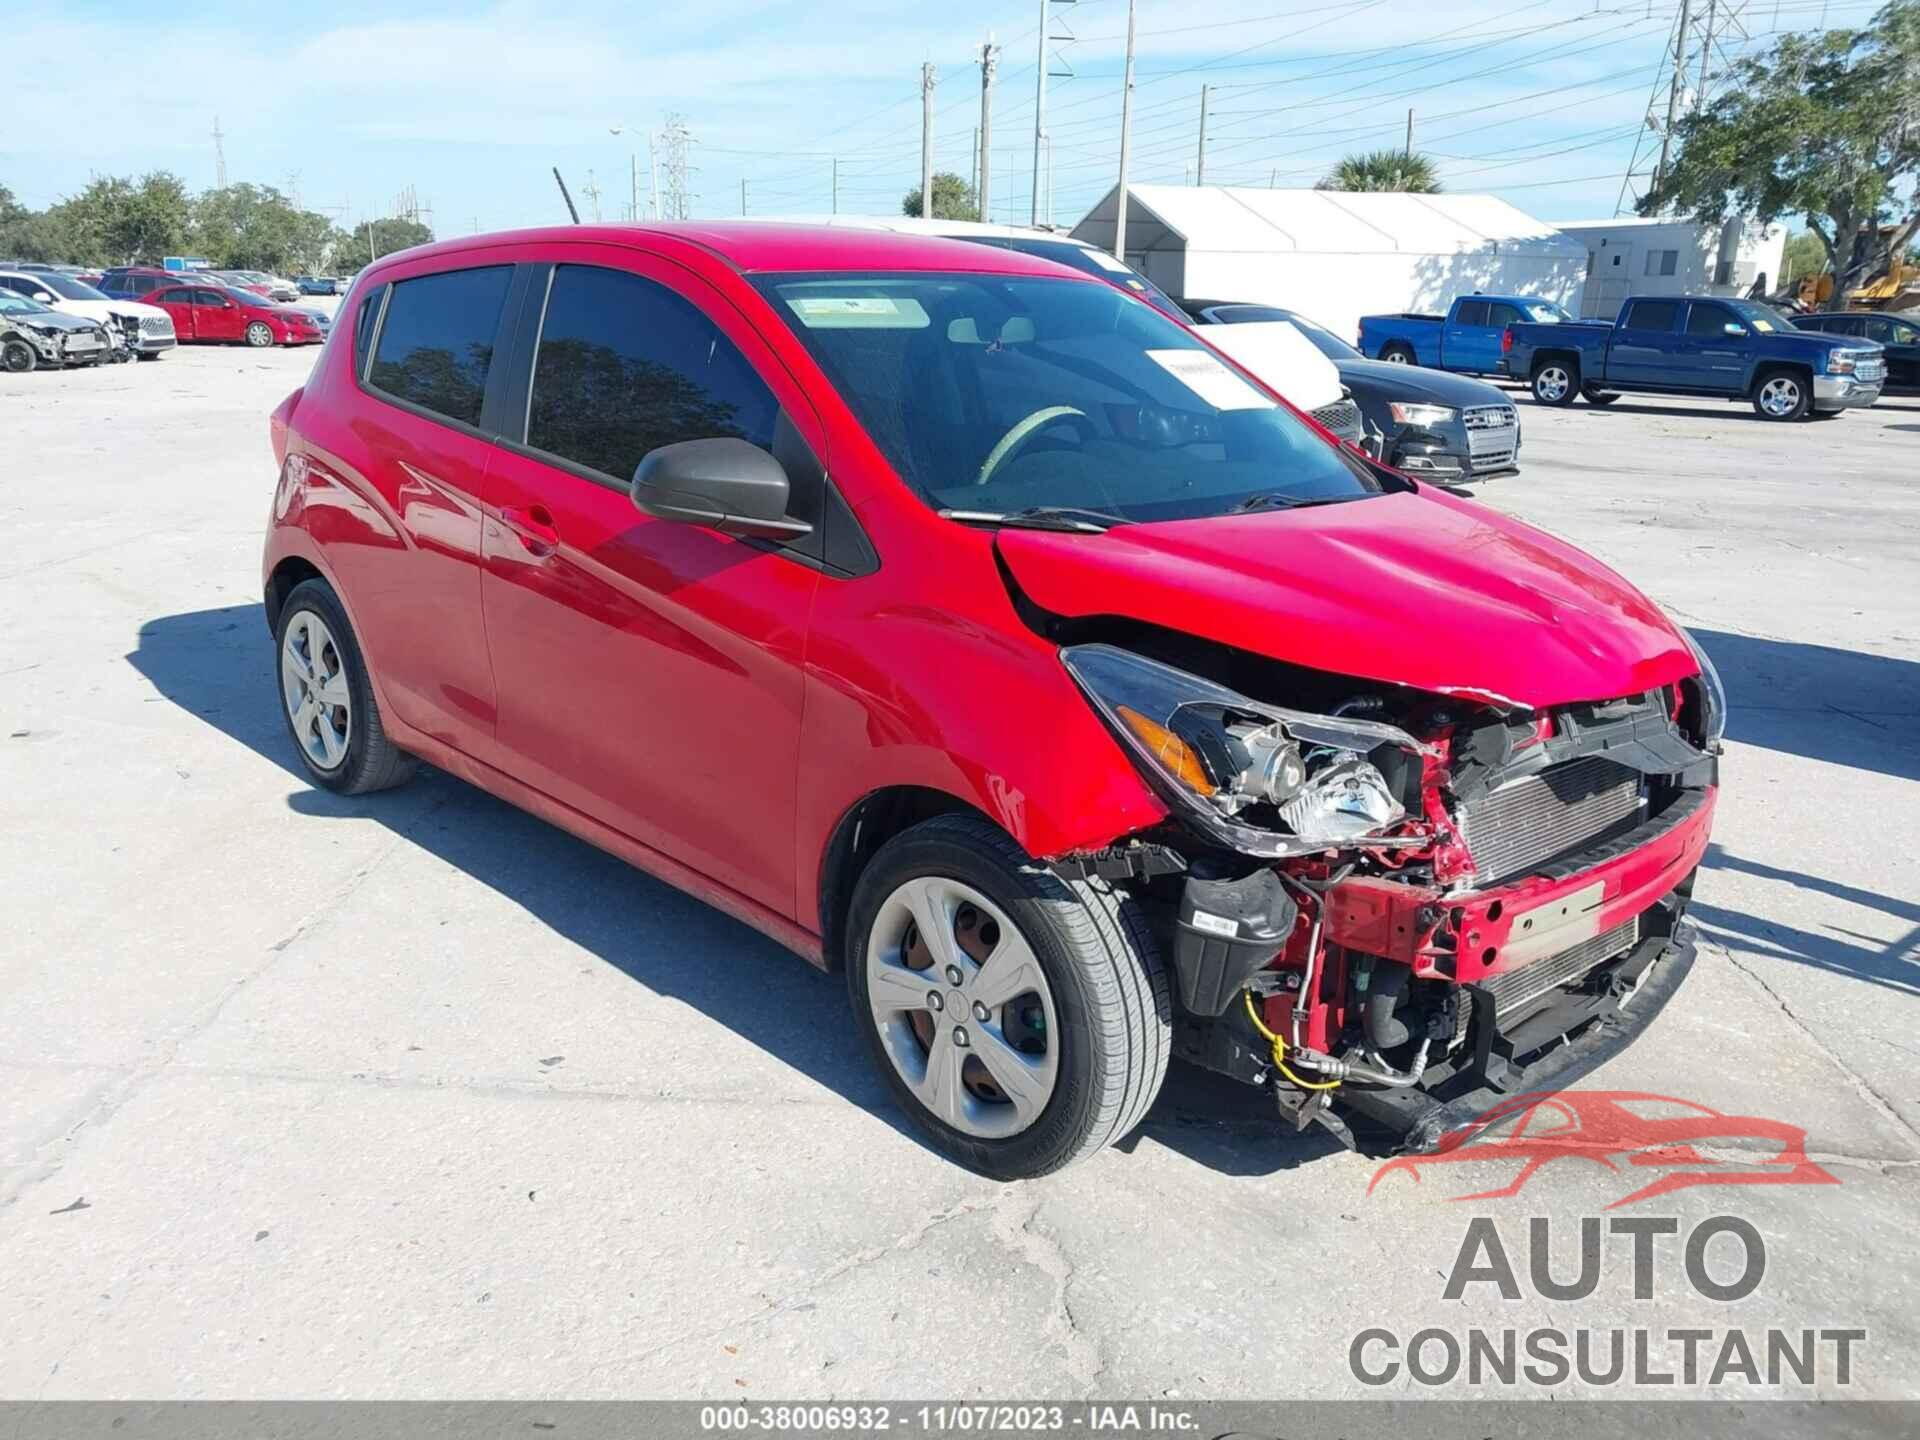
pixel 1395 904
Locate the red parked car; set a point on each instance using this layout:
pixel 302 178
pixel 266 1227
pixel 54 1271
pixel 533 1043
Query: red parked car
pixel 966 623
pixel 206 312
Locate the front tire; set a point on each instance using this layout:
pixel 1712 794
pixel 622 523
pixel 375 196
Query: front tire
pixel 1782 395
pixel 1555 382
pixel 327 698
pixel 148 355
pixel 17 357
pixel 1022 1020
pixel 259 335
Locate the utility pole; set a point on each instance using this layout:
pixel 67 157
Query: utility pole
pixel 926 141
pixel 1409 132
pixel 219 156
pixel 633 187
pixel 989 62
pixel 1126 148
pixel 592 192
pixel 1200 160
pixel 1673 92
pixel 1039 112
pixel 836 186
pixel 653 179
pixel 743 194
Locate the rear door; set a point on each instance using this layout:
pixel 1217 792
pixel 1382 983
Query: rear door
pixel 177 301
pixel 650 671
pixel 1468 341
pixel 1645 348
pixel 1718 349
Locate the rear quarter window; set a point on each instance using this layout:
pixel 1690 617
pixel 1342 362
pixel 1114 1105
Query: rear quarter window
pixel 436 340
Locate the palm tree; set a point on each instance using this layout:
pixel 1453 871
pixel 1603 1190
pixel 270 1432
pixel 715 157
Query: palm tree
pixel 1384 170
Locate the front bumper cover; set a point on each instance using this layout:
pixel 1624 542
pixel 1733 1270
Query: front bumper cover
pixel 1844 392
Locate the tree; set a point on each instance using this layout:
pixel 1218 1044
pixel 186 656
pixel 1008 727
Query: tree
pixel 1384 170
pixel 953 199
pixel 116 220
pixel 25 234
pixel 1805 255
pixel 350 249
pixel 255 227
pixel 1826 126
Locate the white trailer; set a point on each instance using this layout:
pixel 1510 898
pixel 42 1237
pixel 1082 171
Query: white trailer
pixel 1334 255
pixel 1654 256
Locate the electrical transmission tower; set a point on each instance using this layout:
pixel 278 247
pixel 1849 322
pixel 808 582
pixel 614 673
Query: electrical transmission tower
pixel 1706 39
pixel 219 156
pixel 670 155
pixel 1051 14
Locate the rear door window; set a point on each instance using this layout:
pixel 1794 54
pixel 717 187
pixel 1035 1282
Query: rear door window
pixel 1653 315
pixel 625 366
pixel 436 342
pixel 1471 312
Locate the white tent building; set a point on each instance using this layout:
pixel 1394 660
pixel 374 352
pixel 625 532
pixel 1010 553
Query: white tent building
pixel 1335 255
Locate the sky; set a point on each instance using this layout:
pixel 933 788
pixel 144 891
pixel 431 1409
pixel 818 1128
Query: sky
pixel 471 105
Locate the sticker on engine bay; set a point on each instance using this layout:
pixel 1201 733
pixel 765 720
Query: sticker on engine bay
pixel 1205 375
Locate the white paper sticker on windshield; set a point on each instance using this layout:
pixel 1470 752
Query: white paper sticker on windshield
pixel 1107 262
pixel 880 312
pixel 1213 382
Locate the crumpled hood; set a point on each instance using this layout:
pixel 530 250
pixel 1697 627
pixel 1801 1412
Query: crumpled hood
pixel 1419 589
pixel 54 320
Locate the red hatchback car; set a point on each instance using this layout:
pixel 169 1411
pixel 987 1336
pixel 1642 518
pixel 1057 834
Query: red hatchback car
pixel 204 312
pixel 970 625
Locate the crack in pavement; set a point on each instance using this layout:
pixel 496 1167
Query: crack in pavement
pixel 1875 1100
pixel 51 1153
pixel 1081 1355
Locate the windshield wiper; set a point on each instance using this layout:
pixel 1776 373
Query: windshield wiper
pixel 1042 517
pixel 1275 500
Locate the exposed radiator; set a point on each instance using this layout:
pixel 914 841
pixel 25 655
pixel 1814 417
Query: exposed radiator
pixel 1537 818
pixel 1514 988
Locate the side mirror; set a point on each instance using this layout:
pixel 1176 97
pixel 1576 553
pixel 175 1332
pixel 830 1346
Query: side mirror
pixel 723 483
pixel 1734 329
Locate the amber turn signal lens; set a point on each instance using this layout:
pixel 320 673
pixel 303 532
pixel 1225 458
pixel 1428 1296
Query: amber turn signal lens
pixel 1174 754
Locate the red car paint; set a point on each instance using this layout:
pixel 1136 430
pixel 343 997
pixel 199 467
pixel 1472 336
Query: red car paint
pixel 206 312
pixel 714 711
pixel 1604 1128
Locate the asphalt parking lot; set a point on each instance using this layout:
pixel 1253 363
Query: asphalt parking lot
pixel 410 1095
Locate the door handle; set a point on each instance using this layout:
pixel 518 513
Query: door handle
pixel 534 526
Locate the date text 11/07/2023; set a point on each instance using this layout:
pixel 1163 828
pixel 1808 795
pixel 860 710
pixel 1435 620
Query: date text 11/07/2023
pixel 975 1418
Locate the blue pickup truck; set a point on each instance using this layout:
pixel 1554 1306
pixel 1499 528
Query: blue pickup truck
pixel 1466 339
pixel 1697 345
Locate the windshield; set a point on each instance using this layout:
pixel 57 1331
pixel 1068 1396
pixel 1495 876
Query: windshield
pixel 1086 260
pixel 1003 393
pixel 12 304
pixel 1545 312
pixel 68 289
pixel 1757 317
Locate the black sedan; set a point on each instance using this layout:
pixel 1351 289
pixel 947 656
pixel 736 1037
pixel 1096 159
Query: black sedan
pixel 1899 335
pixel 1435 425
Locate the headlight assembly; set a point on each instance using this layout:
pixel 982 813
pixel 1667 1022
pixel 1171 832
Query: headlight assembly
pixel 1713 696
pixel 1260 779
pixel 1408 414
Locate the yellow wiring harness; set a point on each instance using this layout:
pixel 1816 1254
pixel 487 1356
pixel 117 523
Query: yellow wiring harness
pixel 1280 1050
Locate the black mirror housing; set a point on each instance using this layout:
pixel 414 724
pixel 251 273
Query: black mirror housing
pixel 723 483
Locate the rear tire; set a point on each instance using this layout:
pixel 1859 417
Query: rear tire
pixel 1596 396
pixel 327 697
pixel 1399 355
pixel 1782 395
pixel 1555 382
pixel 1090 1074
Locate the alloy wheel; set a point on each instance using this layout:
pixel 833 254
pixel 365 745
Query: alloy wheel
pixel 1552 384
pixel 313 682
pixel 962 1007
pixel 259 335
pixel 1780 396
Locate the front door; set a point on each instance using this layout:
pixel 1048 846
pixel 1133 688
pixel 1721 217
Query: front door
pixel 1902 340
pixel 215 316
pixel 1645 347
pixel 1717 348
pixel 649 672
pixel 1471 342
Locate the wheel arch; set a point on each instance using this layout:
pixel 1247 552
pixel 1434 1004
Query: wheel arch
pixel 1541 358
pixel 292 570
pixel 1800 370
pixel 869 823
